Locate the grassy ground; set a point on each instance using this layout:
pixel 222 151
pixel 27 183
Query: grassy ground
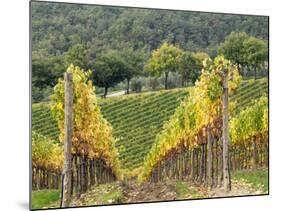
pixel 97 195
pixel 258 178
pixel 45 198
pixel 185 190
pixel 246 182
pixel 100 194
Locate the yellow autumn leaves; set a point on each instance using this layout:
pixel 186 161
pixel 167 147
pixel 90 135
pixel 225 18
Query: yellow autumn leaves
pixel 92 134
pixel 251 124
pixel 46 154
pixel 201 109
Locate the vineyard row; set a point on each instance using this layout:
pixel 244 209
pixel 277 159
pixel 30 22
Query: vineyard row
pixel 205 166
pixel 84 174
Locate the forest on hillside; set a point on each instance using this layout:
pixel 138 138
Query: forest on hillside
pixel 62 32
pixel 57 27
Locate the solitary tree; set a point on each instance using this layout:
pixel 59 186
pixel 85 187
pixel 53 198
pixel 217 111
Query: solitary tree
pixel 109 69
pixel 233 49
pixel 256 52
pixel 134 64
pixel 164 60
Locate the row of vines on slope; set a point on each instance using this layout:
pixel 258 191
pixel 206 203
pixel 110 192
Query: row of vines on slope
pixel 248 150
pixel 196 126
pixel 95 158
pixel 249 135
pixel 47 163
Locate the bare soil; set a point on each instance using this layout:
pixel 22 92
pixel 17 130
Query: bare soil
pixel 149 192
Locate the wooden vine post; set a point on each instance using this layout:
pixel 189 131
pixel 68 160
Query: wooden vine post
pixel 68 128
pixel 225 135
pixel 210 158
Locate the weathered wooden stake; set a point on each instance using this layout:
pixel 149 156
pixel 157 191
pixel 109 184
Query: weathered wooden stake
pixel 225 136
pixel 216 164
pixel 37 178
pixel 210 158
pixel 68 127
pixel 78 178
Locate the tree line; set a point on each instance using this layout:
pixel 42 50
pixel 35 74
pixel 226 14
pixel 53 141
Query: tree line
pixel 112 67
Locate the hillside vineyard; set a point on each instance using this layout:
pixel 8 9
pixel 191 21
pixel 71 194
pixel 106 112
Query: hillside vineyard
pixel 138 118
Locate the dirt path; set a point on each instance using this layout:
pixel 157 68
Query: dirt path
pixel 170 190
pixel 149 192
pixel 115 94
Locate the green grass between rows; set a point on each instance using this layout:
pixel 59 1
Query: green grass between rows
pixel 258 178
pixel 186 191
pixel 45 198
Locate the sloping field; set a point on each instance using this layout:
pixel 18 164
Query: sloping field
pixel 137 119
pixel 248 91
pixel 43 121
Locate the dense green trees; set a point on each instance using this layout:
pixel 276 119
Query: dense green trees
pixel 114 66
pixel 46 70
pixel 81 34
pixel 169 58
pixel 77 55
pixel 245 50
pixel 57 27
